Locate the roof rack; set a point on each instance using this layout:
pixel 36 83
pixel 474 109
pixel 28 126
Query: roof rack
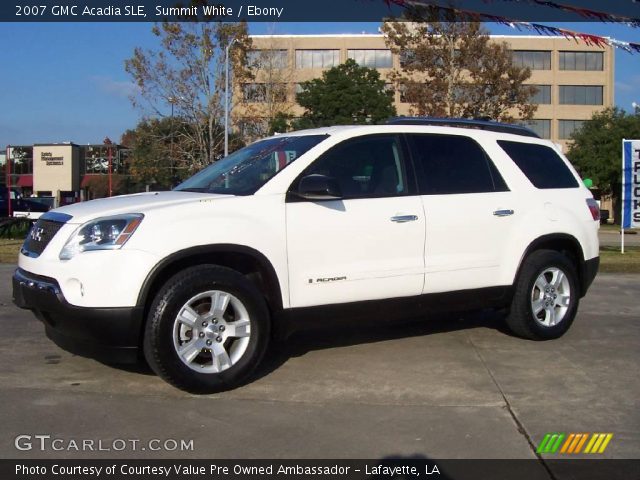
pixel 465 123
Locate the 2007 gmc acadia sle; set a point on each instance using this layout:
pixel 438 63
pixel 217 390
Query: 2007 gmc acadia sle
pixel 416 214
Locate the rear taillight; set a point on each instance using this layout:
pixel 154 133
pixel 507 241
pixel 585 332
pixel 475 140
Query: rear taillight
pixel 594 208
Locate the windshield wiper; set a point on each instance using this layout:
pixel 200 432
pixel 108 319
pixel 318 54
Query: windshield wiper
pixel 193 189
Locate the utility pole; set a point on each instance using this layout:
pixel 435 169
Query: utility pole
pixel 226 97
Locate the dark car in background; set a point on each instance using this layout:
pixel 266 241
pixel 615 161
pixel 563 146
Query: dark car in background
pixel 23 206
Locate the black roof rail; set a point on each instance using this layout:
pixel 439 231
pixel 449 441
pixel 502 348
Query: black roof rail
pixel 465 123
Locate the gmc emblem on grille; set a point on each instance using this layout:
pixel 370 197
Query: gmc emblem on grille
pixel 36 234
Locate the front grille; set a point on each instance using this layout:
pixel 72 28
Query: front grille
pixel 39 236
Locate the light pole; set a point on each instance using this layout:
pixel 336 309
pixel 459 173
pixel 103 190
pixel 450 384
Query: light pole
pixel 8 172
pixel 172 100
pixel 226 97
pixel 107 141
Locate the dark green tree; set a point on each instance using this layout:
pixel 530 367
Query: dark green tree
pixel 280 123
pixel 162 151
pixel 150 161
pixel 597 148
pixel 345 95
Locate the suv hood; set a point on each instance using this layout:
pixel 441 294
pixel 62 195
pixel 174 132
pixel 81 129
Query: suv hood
pixel 136 203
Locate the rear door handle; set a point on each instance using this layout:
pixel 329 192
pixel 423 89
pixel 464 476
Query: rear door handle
pixel 404 218
pixel 503 213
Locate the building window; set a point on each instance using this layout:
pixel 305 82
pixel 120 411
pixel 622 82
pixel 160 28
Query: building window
pixel 264 92
pixel 580 95
pixel 317 58
pixel 543 96
pixel 265 59
pixel 21 159
pixel 94 159
pixel 371 58
pixel 535 60
pixel 581 60
pixel 276 92
pixel 567 127
pixel 253 128
pixel 540 126
pixel 253 92
pixel 407 57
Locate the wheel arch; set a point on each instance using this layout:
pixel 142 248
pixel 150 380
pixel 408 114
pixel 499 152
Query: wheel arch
pixel 563 243
pixel 246 260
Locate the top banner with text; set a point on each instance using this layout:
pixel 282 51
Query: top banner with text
pixel 307 11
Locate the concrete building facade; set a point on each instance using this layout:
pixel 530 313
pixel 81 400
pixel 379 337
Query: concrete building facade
pixel 66 172
pixel 56 169
pixel 574 79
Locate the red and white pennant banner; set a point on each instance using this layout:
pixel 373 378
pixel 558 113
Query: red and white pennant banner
pixel 589 39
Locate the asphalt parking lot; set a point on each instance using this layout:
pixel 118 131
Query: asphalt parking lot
pixel 452 387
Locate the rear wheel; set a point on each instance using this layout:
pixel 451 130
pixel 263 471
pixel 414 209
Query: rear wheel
pixel 207 330
pixel 546 296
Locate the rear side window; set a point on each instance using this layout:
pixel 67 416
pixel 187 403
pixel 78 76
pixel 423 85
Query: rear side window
pixel 453 164
pixel 542 165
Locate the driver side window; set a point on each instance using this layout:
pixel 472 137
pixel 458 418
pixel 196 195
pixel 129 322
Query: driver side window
pixel 365 167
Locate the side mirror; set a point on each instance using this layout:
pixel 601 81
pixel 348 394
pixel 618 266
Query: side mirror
pixel 319 187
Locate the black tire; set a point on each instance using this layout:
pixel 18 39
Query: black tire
pixel 159 349
pixel 521 318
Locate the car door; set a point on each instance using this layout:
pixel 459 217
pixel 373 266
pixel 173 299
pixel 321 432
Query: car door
pixel 369 243
pixel 469 212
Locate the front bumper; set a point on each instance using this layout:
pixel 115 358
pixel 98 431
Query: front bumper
pixel 108 334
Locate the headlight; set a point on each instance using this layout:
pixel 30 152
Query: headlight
pixel 106 233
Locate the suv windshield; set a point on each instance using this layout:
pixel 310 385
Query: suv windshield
pixel 245 171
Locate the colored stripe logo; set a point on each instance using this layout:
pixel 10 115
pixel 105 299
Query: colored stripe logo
pixel 574 443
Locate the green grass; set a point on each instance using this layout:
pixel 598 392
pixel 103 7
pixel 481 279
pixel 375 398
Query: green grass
pixel 610 227
pixel 611 260
pixel 616 229
pixel 9 250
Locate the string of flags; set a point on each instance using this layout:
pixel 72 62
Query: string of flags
pixel 540 29
pixel 583 12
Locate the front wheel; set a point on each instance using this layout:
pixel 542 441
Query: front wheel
pixel 207 330
pixel 546 296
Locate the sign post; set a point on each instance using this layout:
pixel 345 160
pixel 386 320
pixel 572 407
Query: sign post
pixel 630 187
pixel 8 172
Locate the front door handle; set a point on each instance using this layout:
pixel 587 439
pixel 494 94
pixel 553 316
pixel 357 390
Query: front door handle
pixel 404 218
pixel 503 213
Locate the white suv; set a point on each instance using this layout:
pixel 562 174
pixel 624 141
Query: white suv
pixel 417 214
